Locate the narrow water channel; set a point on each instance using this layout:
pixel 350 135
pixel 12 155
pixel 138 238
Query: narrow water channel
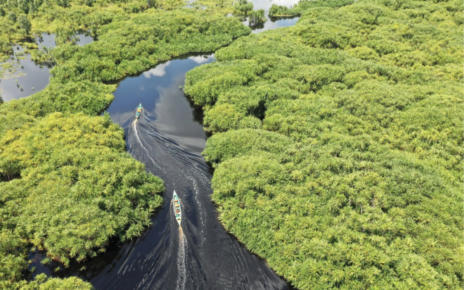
pixel 200 254
pixel 159 91
pixel 169 138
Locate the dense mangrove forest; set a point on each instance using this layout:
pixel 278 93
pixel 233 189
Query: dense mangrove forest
pixel 336 143
pixel 67 185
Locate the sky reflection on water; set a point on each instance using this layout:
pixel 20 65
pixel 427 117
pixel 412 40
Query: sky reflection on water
pixel 31 75
pixel 272 23
pixel 158 90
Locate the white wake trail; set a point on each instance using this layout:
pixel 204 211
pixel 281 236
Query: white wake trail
pixel 140 142
pixel 200 209
pixel 182 278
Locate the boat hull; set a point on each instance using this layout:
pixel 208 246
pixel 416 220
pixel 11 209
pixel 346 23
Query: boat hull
pixel 177 208
pixel 139 111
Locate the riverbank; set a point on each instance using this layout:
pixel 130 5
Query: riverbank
pixel 65 197
pixel 337 145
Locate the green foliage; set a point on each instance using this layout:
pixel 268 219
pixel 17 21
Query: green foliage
pixel 12 17
pixel 152 3
pixel 303 5
pixel 62 3
pixel 88 97
pixel 243 7
pixel 77 188
pixel 12 258
pixel 58 16
pixel 23 6
pixel 350 175
pixel 42 283
pixel 257 17
pixel 24 23
pixel 153 38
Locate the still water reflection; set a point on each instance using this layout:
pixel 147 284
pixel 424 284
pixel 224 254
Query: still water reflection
pixel 31 77
pixel 272 23
pixel 159 91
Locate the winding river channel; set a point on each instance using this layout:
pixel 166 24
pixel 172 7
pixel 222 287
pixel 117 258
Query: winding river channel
pixel 169 138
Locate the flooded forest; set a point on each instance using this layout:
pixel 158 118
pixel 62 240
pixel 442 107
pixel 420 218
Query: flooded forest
pixel 231 144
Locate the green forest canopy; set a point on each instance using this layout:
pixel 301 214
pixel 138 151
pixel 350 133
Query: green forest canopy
pixel 66 184
pixel 303 5
pixel 337 144
pixel 23 20
pixel 65 18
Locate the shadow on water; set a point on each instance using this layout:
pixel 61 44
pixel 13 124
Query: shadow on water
pixel 31 77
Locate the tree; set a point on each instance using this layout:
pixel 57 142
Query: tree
pixel 63 3
pixel 23 5
pixel 24 23
pixel 12 16
pixel 243 6
pixel 257 17
pixel 38 3
pixel 151 3
pixel 32 8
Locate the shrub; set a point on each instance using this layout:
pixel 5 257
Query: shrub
pixel 12 16
pixel 24 23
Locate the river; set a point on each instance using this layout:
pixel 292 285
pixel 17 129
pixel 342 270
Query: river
pixel 169 138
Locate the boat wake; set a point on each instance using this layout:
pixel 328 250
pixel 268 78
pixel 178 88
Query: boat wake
pixel 182 277
pixel 134 125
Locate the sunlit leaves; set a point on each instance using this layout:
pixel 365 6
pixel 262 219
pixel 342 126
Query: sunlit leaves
pixel 357 182
pixel 128 47
pixel 77 187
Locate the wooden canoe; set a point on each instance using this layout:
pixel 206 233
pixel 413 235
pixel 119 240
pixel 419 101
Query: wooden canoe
pixel 177 208
pixel 139 111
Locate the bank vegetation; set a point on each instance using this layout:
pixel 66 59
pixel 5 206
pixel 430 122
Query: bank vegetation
pixel 337 144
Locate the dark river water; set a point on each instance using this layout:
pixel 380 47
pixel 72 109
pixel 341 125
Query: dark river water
pixel 169 138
